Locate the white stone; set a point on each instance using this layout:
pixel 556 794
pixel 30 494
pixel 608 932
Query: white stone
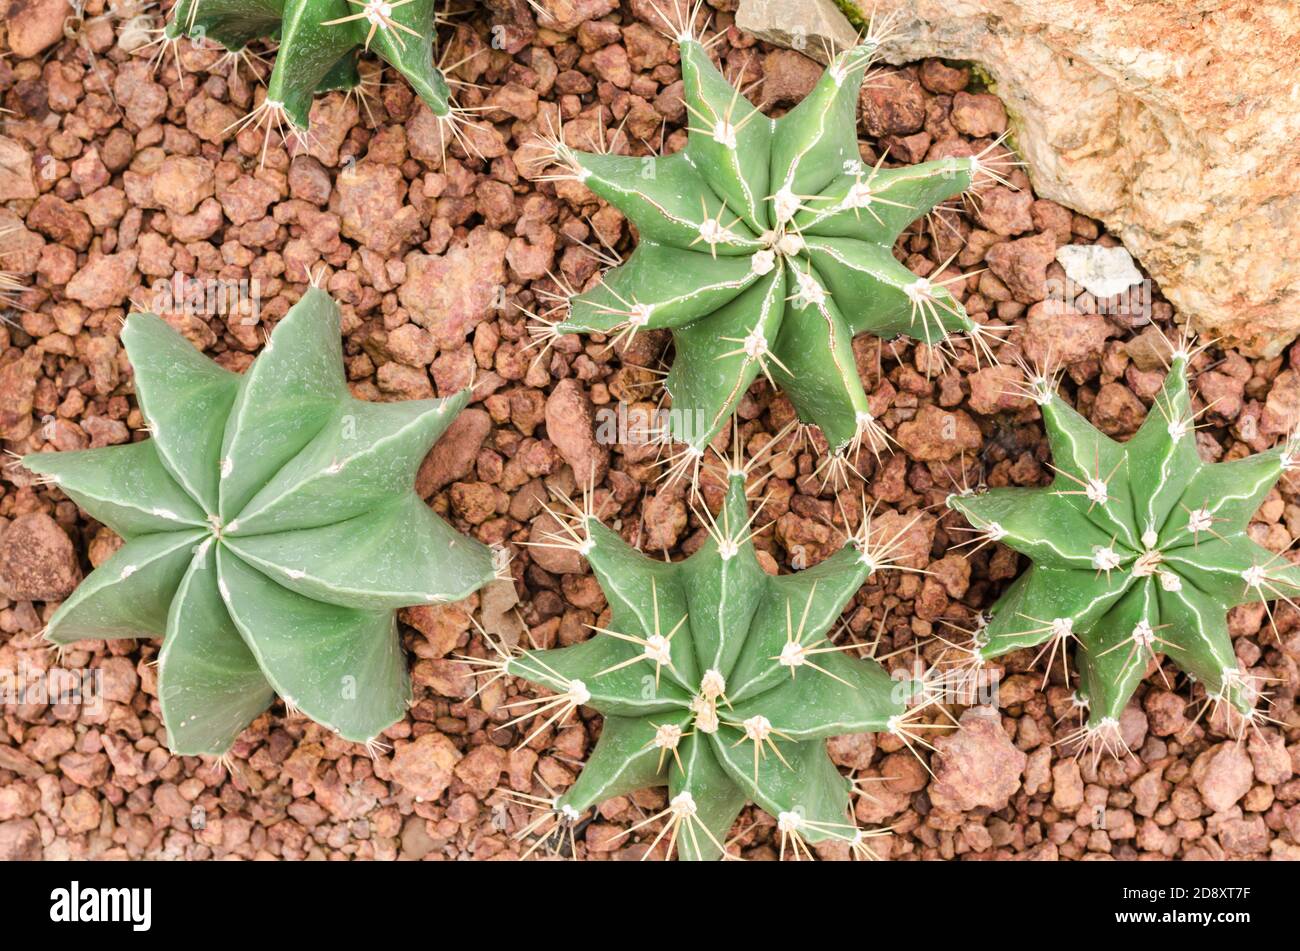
pixel 1103 272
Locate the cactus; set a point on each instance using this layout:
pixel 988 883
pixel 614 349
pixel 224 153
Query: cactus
pixel 716 680
pixel 765 246
pixel 319 41
pixel 10 283
pixel 1138 549
pixel 270 531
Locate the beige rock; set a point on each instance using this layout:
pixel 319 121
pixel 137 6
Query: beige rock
pixel 811 26
pixel 500 617
pixel 1174 123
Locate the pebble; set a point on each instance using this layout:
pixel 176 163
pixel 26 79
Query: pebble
pixel 570 424
pixel 451 294
pixel 36 25
pixel 181 182
pixel 1022 265
pixel 37 560
pixel 978 115
pixel 20 841
pixel 977 765
pixel 424 767
pixel 937 435
pixel 105 281
pixel 1223 775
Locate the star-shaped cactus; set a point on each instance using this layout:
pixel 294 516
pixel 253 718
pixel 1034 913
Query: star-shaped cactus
pixel 1138 549
pixel 718 681
pixel 319 42
pixel 270 529
pixel 765 246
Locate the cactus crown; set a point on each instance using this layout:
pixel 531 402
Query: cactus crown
pixel 1138 549
pixel 319 41
pixel 270 531
pixel 765 246
pixel 718 681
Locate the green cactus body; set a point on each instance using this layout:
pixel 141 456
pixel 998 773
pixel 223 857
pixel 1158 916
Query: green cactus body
pixel 717 681
pixel 765 246
pixel 319 43
pixel 270 529
pixel 1138 549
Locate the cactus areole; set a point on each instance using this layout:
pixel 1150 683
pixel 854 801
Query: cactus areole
pixel 1138 549
pixel 720 682
pixel 765 246
pixel 270 529
pixel 319 41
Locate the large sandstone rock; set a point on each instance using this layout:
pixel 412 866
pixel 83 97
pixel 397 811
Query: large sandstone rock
pixel 810 26
pixel 1173 122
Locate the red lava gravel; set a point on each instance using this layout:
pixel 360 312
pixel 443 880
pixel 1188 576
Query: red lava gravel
pixel 114 178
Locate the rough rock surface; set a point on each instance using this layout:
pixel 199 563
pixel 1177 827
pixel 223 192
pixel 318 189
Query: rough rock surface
pixel 978 765
pixel 810 26
pixel 37 560
pixel 35 25
pixel 424 768
pixel 1173 123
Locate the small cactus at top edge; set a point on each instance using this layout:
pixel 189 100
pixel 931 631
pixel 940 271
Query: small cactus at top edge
pixel 1138 549
pixel 765 246
pixel 718 681
pixel 319 41
pixel 271 529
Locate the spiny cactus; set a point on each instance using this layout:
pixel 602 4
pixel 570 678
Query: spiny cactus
pixel 10 283
pixel 270 531
pixel 319 41
pixel 765 246
pixel 718 681
pixel 1138 549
